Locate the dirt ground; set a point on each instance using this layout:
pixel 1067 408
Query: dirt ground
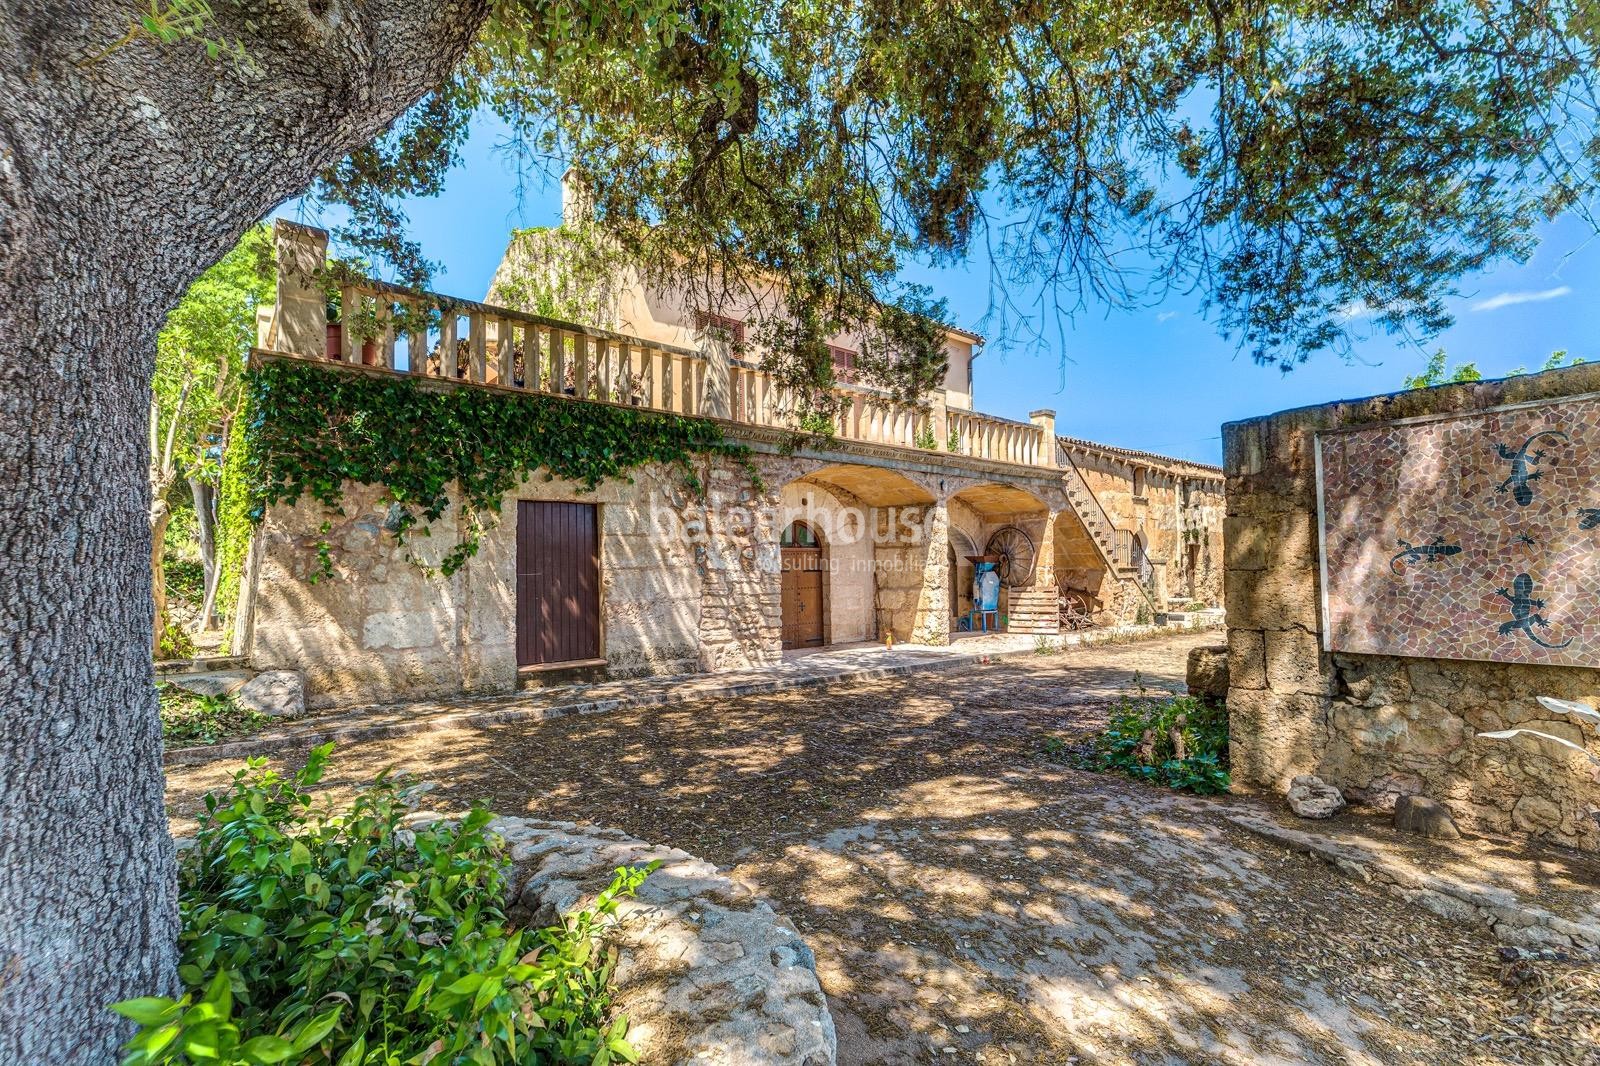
pixel 970 901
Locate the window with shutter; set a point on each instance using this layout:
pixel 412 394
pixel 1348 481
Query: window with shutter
pixel 844 363
pixel 704 320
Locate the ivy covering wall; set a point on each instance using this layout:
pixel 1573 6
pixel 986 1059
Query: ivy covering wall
pixel 306 430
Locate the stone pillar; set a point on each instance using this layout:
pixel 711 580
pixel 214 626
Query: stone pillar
pixel 1044 564
pixel 939 420
pixel 299 323
pixel 718 352
pixel 1045 419
pixel 931 624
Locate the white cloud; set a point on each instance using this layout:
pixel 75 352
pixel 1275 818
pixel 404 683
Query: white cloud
pixel 1356 309
pixel 1166 316
pixel 1511 299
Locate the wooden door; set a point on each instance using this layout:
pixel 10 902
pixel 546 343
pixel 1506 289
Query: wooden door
pixel 802 597
pixel 558 582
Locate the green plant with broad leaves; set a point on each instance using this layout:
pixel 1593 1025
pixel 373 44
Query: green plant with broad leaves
pixel 351 938
pixel 1139 741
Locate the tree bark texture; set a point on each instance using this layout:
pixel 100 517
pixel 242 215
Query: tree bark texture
pixel 120 181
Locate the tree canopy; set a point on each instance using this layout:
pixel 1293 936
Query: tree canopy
pixel 1292 161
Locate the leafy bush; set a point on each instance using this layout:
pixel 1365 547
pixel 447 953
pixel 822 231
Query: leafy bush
pixel 351 939
pixel 175 642
pixel 186 716
pixel 1124 747
pixel 186 579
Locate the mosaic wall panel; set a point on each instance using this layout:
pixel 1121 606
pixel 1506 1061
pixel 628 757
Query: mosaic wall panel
pixel 1471 537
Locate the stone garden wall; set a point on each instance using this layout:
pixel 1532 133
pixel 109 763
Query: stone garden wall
pixel 1380 726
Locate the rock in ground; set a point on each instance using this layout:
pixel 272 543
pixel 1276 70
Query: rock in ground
pixel 1419 814
pixel 1311 797
pixel 279 693
pixel 1208 672
pixel 212 683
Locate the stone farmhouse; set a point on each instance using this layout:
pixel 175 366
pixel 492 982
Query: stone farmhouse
pixel 867 534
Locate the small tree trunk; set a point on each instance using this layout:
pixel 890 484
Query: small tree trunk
pixel 205 502
pixel 120 182
pixel 160 515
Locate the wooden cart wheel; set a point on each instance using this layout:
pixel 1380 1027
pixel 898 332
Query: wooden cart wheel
pixel 1015 549
pixel 1077 609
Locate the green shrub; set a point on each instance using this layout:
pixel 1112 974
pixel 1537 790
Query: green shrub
pixel 349 939
pixel 1204 728
pixel 186 579
pixel 186 716
pixel 175 642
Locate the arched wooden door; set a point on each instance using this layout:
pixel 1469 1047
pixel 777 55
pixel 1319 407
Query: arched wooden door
pixel 803 587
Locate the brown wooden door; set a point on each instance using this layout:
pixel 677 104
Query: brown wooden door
pixel 802 597
pixel 558 582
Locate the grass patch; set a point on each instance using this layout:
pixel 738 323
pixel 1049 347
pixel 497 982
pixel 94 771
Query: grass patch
pixel 188 718
pixel 1177 741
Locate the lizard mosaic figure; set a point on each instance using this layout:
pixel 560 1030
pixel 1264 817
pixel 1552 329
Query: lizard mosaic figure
pixel 1519 484
pixel 1436 552
pixel 1524 614
pixel 1588 517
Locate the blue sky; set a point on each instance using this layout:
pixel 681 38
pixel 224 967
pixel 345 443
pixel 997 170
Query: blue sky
pixel 1160 378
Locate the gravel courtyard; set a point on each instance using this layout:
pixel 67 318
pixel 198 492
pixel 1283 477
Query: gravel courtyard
pixel 970 901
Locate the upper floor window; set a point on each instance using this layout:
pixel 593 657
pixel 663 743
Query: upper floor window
pixel 844 363
pixel 704 320
pixel 1139 487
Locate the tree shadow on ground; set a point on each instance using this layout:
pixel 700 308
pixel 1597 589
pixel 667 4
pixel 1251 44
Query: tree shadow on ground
pixel 971 901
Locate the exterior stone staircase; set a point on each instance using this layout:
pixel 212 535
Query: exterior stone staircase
pixel 1101 529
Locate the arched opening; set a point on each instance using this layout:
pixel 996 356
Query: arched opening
pixel 805 586
pixel 1004 523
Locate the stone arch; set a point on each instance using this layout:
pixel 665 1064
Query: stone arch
pixel 981 510
pixel 844 523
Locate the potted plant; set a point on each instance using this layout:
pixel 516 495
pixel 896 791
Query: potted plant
pixel 361 323
pixel 335 348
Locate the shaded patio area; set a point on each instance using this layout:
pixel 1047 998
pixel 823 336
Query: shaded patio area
pixel 970 901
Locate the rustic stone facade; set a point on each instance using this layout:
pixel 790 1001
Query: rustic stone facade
pixel 1379 726
pixel 689 582
pixel 1173 507
pixel 900 497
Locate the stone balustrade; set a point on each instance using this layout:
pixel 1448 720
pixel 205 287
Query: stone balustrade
pixel 434 336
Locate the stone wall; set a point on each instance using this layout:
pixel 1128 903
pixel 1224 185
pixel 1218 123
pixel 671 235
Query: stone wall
pixel 689 582
pixel 1378 726
pixel 1175 506
pixel 686 584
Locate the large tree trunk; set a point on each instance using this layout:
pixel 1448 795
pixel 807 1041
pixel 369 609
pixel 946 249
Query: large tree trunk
pixel 120 181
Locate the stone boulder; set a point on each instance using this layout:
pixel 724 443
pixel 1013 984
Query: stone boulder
pixel 1419 814
pixel 212 682
pixel 1208 672
pixel 278 693
pixel 709 973
pixel 1311 797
